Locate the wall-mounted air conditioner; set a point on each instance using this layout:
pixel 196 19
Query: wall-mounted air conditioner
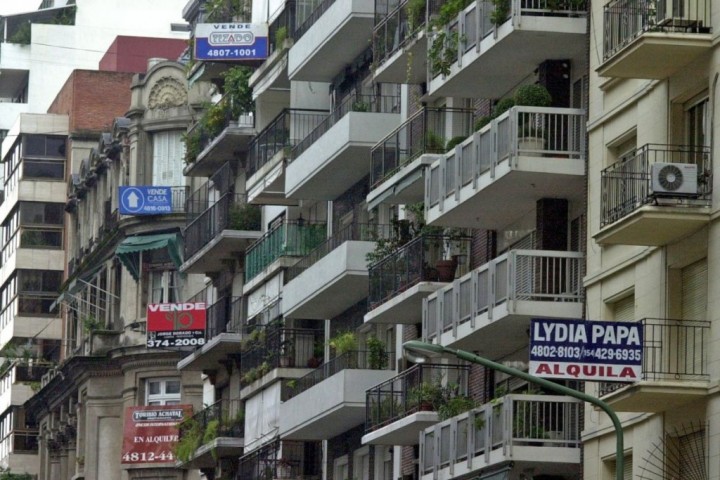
pixel 674 179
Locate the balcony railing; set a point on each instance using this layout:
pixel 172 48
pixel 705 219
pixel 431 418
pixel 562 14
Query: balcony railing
pixel 23 441
pixel 399 397
pixel 225 315
pixel 351 103
pixel 201 199
pixel 266 348
pixel 309 13
pixel 284 21
pixel 354 231
pixel 624 21
pixel 419 134
pixel 31 373
pixel 513 420
pixel 412 263
pixel 532 131
pixel 627 184
pixel 228 414
pixel 283 133
pixel 672 350
pixel 279 460
pixel 230 212
pixel 518 275
pixel 353 360
pixel 292 238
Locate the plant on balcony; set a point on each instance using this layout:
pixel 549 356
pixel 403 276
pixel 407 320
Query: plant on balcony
pixel 280 37
pixel 530 125
pixel 360 106
pixel 318 354
pixel 91 324
pixel 343 343
pixel 532 95
pixel 443 52
pixel 245 217
pixel 427 396
pixel 453 405
pixel 377 355
pixel 434 143
pixel 454 141
pixel 226 11
pixel 211 431
pixel 192 434
pixel 287 353
pixel 386 409
pixel 415 14
pixel 500 13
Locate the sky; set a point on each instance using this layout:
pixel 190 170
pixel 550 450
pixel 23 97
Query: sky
pixel 15 6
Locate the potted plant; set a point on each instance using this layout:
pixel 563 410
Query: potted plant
pixel 377 356
pixel 343 343
pixel 426 396
pixel 318 354
pixel 530 133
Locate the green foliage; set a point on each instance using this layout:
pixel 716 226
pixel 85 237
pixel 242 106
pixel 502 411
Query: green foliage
pixel 454 141
pixel 226 10
pixel 503 106
pixel 377 355
pixel 434 143
pixel 22 35
pixel 360 106
pixel 415 14
pixel 90 323
pixel 211 431
pixel 343 343
pixel 245 217
pixel 443 52
pixel 429 394
pixel 532 95
pixel 455 405
pixel 237 87
pixel 482 121
pixel 500 13
pixel 6 474
pixel 190 438
pixel 280 36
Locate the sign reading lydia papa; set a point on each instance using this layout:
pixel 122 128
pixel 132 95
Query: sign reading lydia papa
pixel 586 350
pixel 176 324
pixel 150 433
pixel 231 41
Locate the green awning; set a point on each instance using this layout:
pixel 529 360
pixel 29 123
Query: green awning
pixel 130 249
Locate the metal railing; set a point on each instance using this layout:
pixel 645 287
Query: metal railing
pixel 625 20
pixel 478 21
pixel 672 350
pixel 202 198
pixel 225 316
pixel 283 133
pixel 518 275
pixel 422 133
pixel 30 373
pixel 353 360
pixel 355 231
pixel 521 131
pixel 285 19
pixel 229 415
pixel 415 262
pixel 290 238
pixel 266 348
pixel 500 426
pixel 279 460
pixel 400 396
pixel 627 184
pixel 230 212
pixel 351 103
pixel 309 13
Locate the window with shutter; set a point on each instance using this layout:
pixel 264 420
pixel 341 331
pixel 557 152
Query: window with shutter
pixel 168 154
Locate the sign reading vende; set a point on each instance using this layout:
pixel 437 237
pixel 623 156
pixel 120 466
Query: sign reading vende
pixel 231 41
pixel 586 350
pixel 151 432
pixel 144 200
pixel 176 324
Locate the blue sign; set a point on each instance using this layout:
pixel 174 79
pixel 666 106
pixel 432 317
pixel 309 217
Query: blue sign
pixel 143 200
pixel 586 350
pixel 231 41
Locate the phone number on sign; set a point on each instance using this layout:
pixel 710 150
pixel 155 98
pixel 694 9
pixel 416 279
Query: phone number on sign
pixel 176 342
pixel 577 353
pixel 231 52
pixel 148 457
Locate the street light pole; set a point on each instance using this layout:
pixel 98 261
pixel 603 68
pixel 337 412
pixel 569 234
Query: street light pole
pixel 420 350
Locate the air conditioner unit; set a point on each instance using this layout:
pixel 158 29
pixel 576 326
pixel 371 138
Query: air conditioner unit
pixel 674 179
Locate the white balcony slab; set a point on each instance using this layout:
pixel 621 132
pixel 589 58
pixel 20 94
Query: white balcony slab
pixel 330 286
pixel 339 158
pixel 405 307
pixel 407 185
pixel 342 32
pixel 208 454
pixel 224 248
pixel 408 64
pixel 216 349
pixel 657 396
pixel 405 431
pixel 654 226
pixel 331 407
pixel 228 146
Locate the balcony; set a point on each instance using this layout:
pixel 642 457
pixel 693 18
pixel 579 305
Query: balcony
pixel 529 432
pixel 223 338
pixel 18 382
pixel 498 299
pixel 498 174
pixel 328 33
pixel 675 368
pixel 400 42
pixel 654 39
pixel 331 399
pixel 633 214
pixel 400 282
pixel 398 410
pixel 213 433
pixel 269 151
pixel 275 249
pixel 221 135
pixel 220 234
pixel 281 460
pixel 328 161
pixel 270 80
pixel 268 348
pixel 336 269
pixel 400 159
pixel 476 58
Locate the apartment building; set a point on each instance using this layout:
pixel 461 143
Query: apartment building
pixel 411 170
pixel 651 237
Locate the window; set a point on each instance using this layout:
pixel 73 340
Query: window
pixel 361 463
pixel 340 468
pixel 164 287
pixel 37 290
pixel 168 159
pixel 698 122
pixel 164 391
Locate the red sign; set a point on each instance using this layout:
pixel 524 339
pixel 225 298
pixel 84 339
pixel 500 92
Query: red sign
pixel 151 433
pixel 176 324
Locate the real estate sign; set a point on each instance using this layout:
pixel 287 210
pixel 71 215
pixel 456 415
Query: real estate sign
pixel 176 324
pixel 145 200
pixel 586 350
pixel 231 41
pixel 150 433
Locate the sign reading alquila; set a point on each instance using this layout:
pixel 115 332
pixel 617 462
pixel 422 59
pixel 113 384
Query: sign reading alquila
pixel 231 41
pixel 586 350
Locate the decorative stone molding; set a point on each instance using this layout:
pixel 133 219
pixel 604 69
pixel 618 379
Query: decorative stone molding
pixel 167 92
